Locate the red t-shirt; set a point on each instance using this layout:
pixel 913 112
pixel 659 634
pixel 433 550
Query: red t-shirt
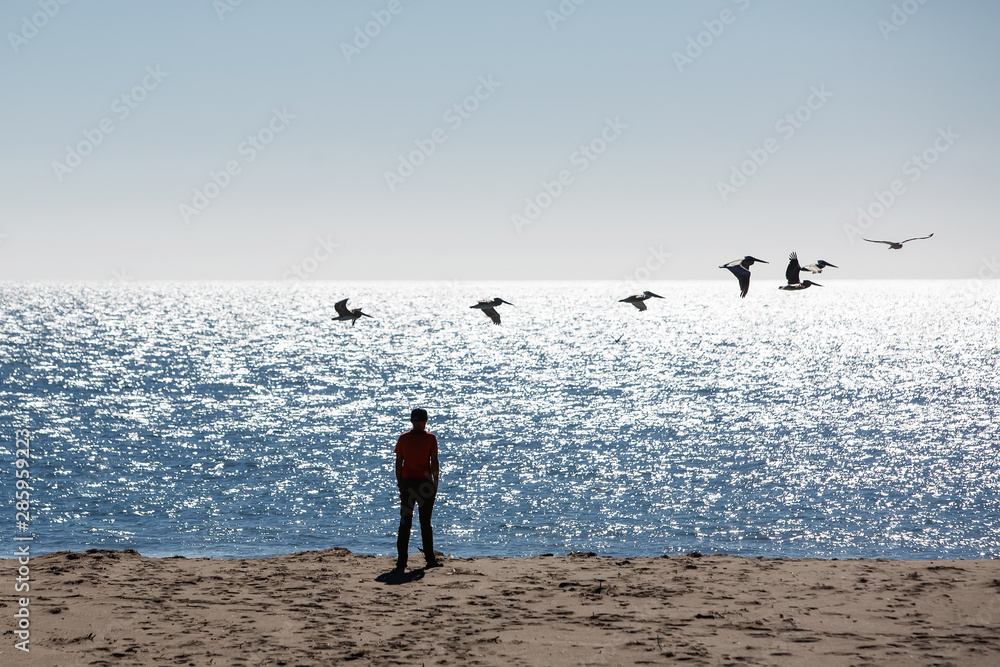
pixel 416 448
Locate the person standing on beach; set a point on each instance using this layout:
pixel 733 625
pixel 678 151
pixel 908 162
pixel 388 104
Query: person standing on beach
pixel 417 473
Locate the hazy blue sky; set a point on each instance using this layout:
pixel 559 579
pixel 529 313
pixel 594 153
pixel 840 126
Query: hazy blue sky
pixel 832 99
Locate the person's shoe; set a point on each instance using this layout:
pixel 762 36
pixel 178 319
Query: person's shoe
pixel 400 566
pixel 434 563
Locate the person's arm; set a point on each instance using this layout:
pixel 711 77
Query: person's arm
pixel 399 468
pixel 435 468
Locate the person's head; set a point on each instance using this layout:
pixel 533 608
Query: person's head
pixel 419 419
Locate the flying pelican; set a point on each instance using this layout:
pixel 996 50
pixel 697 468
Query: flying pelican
pixel 805 284
pixel 741 269
pixel 792 275
pixel 488 306
pixel 638 299
pixel 818 266
pixel 344 314
pixel 898 245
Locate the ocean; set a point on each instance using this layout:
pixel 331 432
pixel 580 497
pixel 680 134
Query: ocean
pixel 235 419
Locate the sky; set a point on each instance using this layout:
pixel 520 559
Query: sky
pixel 513 139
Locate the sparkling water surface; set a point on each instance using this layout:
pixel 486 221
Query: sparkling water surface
pixel 236 419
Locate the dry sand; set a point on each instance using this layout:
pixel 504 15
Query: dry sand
pixel 333 607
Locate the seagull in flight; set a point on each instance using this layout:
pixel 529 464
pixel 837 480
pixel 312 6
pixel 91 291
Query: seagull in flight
pixel 741 269
pixel 343 314
pixel 488 306
pixel 898 245
pixel 637 300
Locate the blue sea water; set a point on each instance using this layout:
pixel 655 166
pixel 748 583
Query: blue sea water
pixel 236 419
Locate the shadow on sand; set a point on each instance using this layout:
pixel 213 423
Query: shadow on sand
pixel 397 577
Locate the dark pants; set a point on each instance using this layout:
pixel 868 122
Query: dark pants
pixel 419 492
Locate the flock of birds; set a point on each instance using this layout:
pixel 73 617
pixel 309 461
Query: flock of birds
pixel 738 267
pixel 488 306
pixel 741 269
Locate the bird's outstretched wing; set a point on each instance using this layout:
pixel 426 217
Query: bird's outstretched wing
pixel 493 314
pixel 341 307
pixel 885 242
pixel 744 284
pixel 818 266
pixel 915 238
pixel 792 272
pixel 743 275
pixel 641 305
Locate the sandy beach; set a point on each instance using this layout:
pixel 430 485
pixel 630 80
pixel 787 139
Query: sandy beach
pixel 334 607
